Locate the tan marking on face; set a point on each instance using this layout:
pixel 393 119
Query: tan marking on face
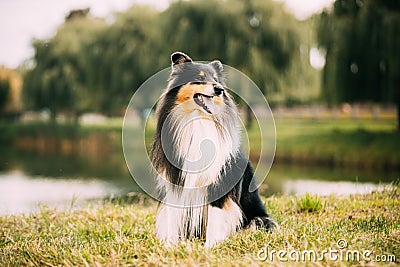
pixel 186 102
pixel 218 100
pixel 202 74
pixel 187 92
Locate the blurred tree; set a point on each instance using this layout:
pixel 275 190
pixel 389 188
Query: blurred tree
pixel 56 80
pixel 95 65
pixel 257 37
pixel 5 89
pixel 48 85
pixel 121 58
pixel 77 13
pixel 10 93
pixel 362 42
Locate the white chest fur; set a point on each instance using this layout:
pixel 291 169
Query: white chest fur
pixel 205 146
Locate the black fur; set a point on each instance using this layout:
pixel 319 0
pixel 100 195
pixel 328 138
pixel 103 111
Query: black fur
pixel 249 202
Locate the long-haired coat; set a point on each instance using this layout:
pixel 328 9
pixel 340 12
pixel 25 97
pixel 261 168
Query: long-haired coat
pixel 203 178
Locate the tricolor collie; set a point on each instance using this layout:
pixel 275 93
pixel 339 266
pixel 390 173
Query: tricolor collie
pixel 203 178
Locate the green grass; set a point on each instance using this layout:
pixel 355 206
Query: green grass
pixel 113 234
pixel 309 203
pixel 364 143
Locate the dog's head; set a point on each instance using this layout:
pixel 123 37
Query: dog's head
pixel 196 117
pixel 198 87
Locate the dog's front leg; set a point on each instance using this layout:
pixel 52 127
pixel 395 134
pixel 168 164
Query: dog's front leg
pixel 222 222
pixel 167 227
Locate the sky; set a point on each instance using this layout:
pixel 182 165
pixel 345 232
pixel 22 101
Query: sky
pixel 21 21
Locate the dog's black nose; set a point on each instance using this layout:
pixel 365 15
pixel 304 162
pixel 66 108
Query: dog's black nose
pixel 218 89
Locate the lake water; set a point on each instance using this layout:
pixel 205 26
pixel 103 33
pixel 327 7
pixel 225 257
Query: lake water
pixel 28 181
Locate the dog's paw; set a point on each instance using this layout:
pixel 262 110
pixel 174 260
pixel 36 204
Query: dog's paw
pixel 265 223
pixel 210 243
pixel 169 243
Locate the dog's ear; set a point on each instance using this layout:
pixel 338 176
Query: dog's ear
pixel 217 66
pixel 179 58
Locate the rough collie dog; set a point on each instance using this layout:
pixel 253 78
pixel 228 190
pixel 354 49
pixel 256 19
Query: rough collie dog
pixel 203 178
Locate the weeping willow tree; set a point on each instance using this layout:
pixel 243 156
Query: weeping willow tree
pixel 362 43
pixel 256 37
pixel 92 64
pixel 57 80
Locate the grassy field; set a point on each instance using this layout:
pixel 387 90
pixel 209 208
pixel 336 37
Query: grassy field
pixel 334 230
pixel 362 143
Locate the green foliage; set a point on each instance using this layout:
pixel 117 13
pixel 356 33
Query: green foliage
pixel 256 37
pixel 120 58
pixel 5 89
pixel 94 65
pixel 362 43
pixel 57 80
pixel 309 203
